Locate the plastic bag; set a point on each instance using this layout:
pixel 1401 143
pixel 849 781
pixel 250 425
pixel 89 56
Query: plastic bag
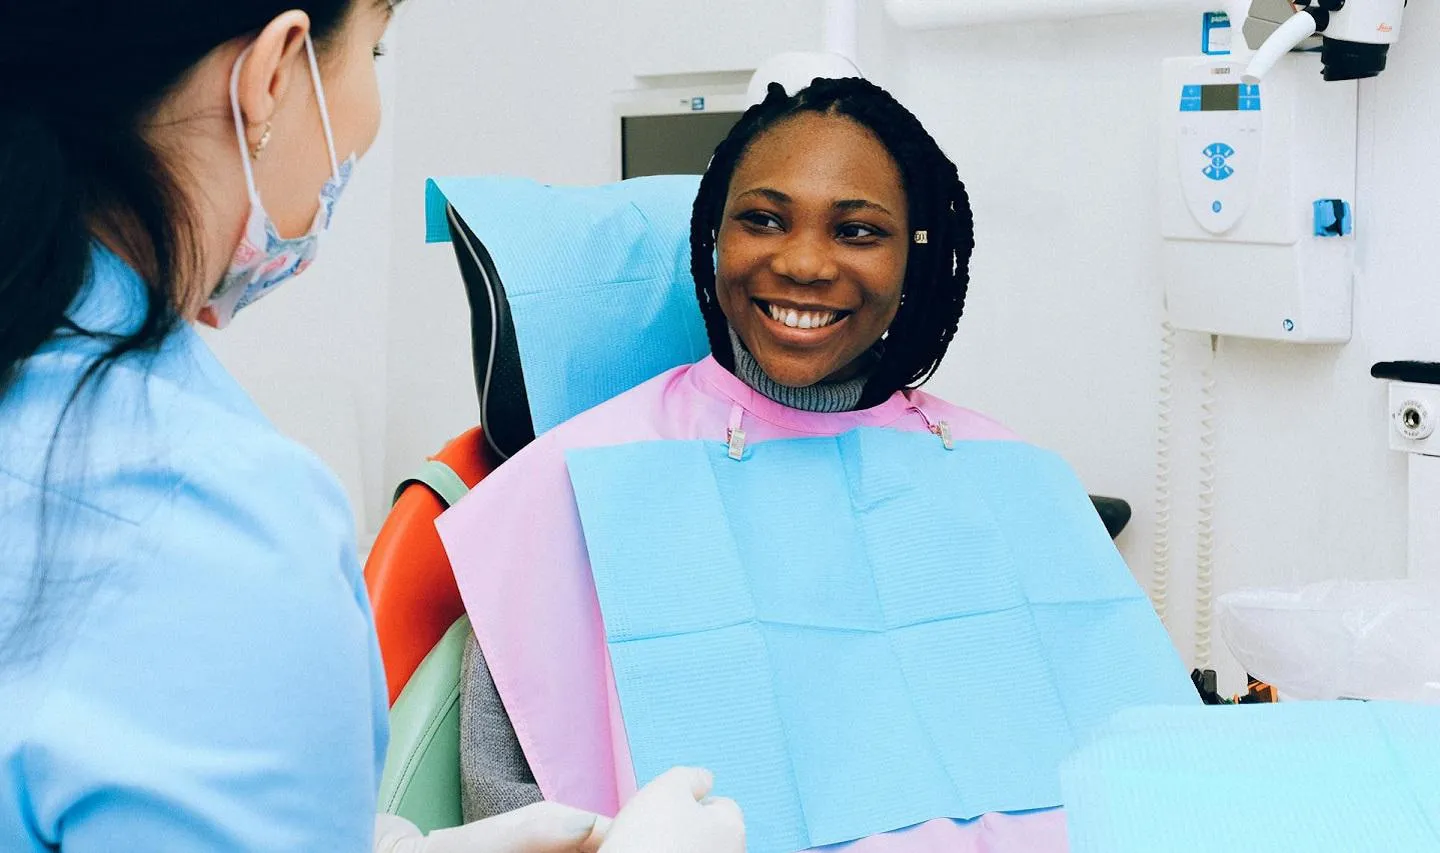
pixel 1339 639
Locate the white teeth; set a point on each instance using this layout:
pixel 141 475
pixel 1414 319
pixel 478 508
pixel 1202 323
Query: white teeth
pixel 802 319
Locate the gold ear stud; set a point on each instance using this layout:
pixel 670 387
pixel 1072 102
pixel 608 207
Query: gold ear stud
pixel 260 146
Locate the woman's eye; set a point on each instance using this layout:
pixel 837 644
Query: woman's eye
pixel 760 219
pixel 858 231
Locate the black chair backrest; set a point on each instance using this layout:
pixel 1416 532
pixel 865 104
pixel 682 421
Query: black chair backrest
pixel 499 378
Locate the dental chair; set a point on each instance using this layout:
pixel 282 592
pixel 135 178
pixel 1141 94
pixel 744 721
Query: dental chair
pixel 418 612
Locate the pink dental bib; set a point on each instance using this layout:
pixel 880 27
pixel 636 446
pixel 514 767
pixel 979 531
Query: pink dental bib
pixel 520 559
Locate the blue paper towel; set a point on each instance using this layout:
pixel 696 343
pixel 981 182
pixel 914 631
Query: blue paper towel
pixel 598 280
pixel 1287 778
pixel 861 633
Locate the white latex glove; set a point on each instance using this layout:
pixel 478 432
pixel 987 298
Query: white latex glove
pixel 537 828
pixel 675 814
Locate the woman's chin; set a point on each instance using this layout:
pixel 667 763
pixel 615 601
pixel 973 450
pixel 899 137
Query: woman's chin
pixel 794 375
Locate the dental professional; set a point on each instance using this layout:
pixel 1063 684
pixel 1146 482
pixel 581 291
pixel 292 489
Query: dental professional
pixel 187 656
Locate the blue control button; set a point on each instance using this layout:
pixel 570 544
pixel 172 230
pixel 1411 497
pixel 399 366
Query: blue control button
pixel 1249 90
pixel 1219 155
pixel 1249 105
pixel 1190 92
pixel 1333 218
pixel 1217 207
pixel 1190 105
pixel 697 104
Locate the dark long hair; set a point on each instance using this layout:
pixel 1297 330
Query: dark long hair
pixel 938 271
pixel 79 79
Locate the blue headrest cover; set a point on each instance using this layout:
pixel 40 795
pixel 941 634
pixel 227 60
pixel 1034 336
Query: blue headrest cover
pixel 598 280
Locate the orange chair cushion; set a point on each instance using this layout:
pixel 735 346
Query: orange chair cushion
pixel 411 586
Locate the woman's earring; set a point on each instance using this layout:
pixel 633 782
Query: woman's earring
pixel 922 237
pixel 260 146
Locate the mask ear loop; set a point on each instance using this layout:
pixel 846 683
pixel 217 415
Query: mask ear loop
pixel 324 108
pixel 240 126
pixel 240 121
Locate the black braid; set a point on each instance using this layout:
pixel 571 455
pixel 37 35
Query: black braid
pixel 938 272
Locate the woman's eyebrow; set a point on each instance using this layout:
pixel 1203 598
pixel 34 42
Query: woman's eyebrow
pixel 862 204
pixel 772 194
pixel 847 204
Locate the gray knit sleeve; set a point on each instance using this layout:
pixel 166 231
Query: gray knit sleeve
pixel 494 774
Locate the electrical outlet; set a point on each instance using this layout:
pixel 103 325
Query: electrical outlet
pixel 1414 417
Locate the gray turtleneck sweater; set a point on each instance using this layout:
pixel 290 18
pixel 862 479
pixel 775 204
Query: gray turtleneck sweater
pixel 828 397
pixel 494 774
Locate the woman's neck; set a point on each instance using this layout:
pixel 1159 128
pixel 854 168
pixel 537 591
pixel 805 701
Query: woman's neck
pixel 824 397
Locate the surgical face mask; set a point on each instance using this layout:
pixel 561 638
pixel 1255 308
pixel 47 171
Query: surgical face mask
pixel 264 260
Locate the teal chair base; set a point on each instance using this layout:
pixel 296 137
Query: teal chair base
pixel 421 782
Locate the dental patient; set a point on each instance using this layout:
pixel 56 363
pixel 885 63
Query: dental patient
pixel 831 239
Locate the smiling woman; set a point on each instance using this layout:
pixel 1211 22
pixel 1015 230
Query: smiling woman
pixel 812 259
pixel 831 240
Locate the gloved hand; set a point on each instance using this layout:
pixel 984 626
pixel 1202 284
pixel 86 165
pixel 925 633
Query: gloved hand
pixel 536 828
pixel 675 814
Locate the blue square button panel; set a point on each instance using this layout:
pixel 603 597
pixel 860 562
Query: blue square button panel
pixel 1190 99
pixel 1218 168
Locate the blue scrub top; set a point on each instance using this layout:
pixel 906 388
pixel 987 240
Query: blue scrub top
pixel 201 672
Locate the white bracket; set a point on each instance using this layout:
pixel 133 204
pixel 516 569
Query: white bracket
pixel 1414 415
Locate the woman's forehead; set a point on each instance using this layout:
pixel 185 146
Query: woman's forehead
pixel 823 158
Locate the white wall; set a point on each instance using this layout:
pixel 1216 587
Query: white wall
pixel 663 38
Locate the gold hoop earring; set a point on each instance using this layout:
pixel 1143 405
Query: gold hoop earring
pixel 260 146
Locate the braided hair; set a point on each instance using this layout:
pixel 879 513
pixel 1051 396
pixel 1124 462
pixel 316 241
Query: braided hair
pixel 937 273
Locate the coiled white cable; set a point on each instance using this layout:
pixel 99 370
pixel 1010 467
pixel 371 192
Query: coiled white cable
pixel 1205 519
pixel 1160 552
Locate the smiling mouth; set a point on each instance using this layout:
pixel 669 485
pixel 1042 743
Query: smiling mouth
pixel 801 318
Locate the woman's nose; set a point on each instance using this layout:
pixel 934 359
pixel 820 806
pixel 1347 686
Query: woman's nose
pixel 805 259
